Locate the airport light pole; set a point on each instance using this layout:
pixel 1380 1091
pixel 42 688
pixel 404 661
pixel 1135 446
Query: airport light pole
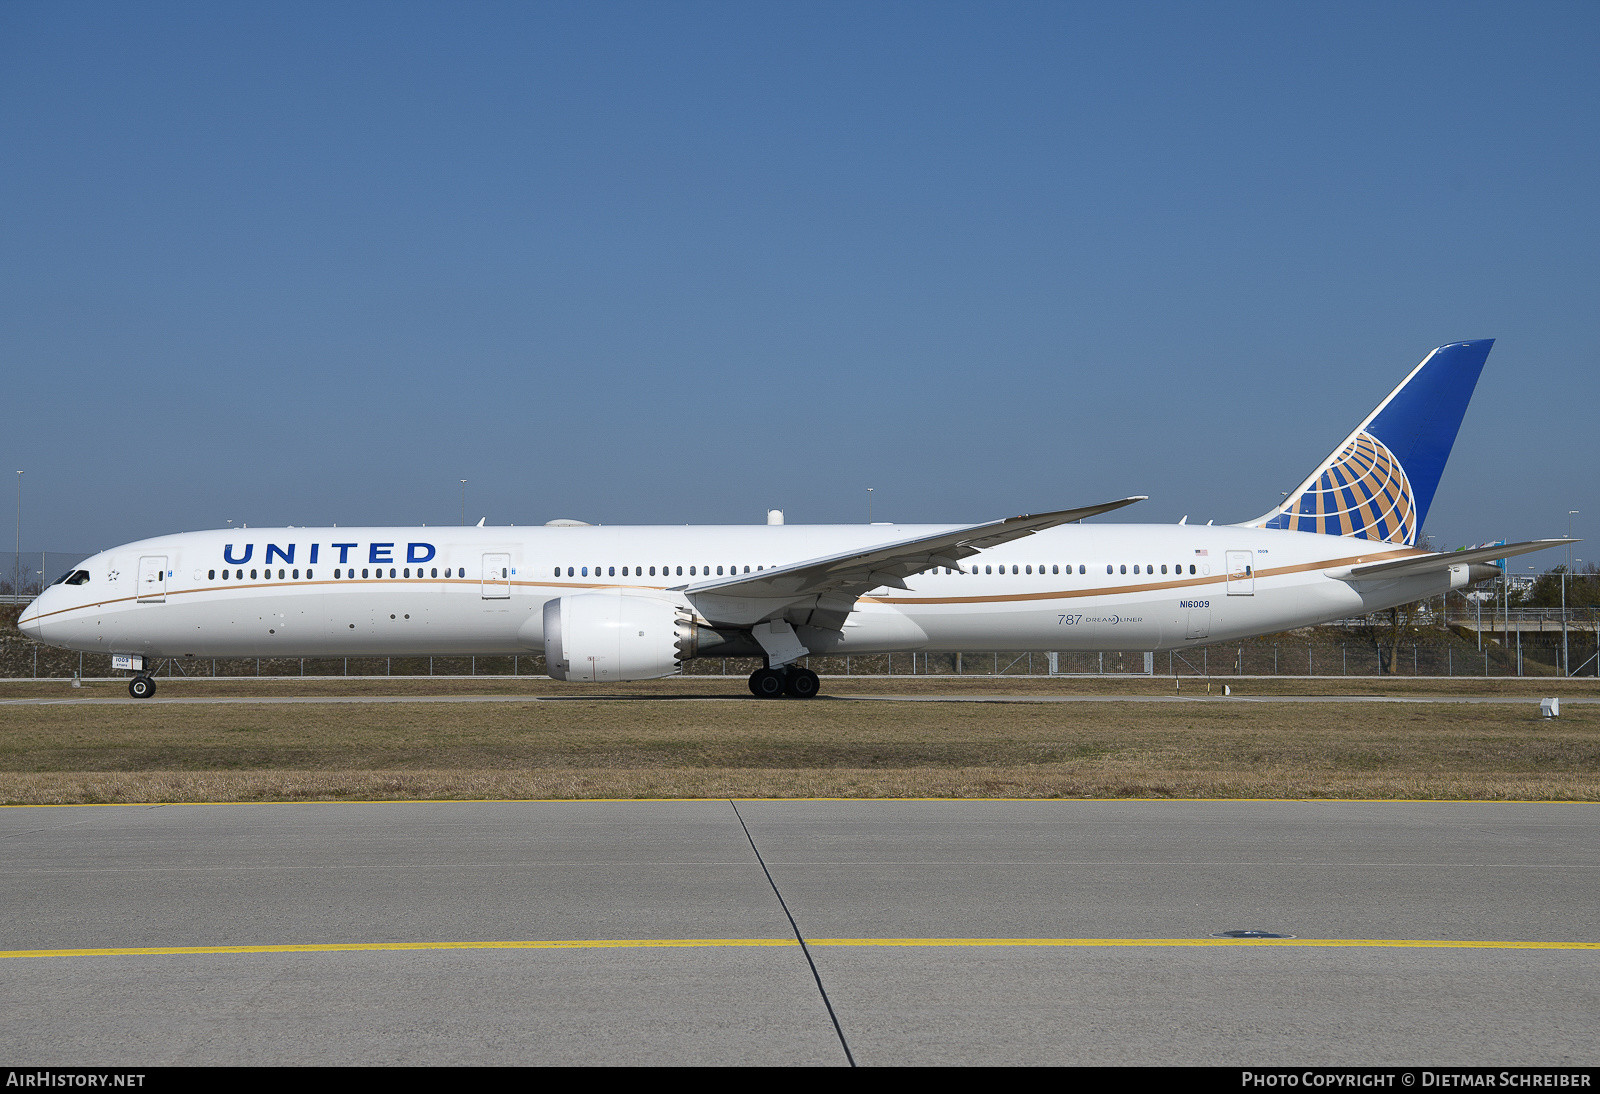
pixel 869 505
pixel 16 565
pixel 463 503
pixel 1566 653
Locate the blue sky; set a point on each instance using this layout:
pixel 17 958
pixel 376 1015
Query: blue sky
pixel 679 263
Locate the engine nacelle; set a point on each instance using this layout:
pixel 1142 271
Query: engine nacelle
pixel 603 637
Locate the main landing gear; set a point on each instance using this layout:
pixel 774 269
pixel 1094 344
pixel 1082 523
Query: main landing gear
pixel 141 687
pixel 795 682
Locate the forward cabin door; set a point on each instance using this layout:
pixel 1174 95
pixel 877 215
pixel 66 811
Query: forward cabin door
pixel 1241 573
pixel 153 579
pixel 496 577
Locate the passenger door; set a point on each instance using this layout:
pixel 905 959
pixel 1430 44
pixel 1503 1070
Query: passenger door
pixel 1241 573
pixel 496 577
pixel 153 579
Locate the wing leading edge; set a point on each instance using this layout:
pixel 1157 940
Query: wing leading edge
pixel 821 592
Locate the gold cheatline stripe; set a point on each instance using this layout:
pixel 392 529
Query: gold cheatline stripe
pixel 701 943
pixel 1061 594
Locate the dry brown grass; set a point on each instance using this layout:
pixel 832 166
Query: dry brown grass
pixel 655 747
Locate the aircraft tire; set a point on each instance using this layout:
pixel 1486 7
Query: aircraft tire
pixel 141 687
pixel 802 684
pixel 766 684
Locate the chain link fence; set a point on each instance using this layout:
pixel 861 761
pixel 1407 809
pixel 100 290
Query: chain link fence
pixel 1525 642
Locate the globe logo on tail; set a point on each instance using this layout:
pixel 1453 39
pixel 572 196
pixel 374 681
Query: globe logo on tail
pixel 1363 493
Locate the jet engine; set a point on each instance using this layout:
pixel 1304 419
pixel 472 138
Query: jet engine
pixel 602 637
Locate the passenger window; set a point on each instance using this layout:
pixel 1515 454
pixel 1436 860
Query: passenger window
pixel 1082 569
pixel 1163 567
pixel 408 571
pixel 691 571
pixel 1056 569
pixel 252 575
pixel 211 575
pixel 1135 567
pixel 308 575
pixel 1191 567
pixel 504 572
pixel 652 571
pixel 613 572
pixel 586 571
pixel 719 571
pixel 1108 568
pixel 363 574
pixel 391 571
pixel 297 575
pixel 680 570
pixel 988 570
pixel 1124 567
pixel 569 572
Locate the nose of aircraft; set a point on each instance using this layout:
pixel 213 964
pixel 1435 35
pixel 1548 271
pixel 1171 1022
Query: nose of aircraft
pixel 29 621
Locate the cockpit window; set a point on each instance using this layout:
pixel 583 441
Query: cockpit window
pixel 73 577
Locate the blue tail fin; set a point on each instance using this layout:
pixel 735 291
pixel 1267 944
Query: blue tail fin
pixel 1379 483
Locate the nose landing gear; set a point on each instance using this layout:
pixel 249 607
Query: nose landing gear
pixel 141 687
pixel 798 683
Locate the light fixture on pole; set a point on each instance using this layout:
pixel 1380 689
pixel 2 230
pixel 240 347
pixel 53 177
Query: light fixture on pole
pixel 463 503
pixel 869 505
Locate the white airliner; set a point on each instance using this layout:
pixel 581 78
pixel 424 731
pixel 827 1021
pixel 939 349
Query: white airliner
pixel 634 603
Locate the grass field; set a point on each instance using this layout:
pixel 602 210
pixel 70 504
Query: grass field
pixel 647 741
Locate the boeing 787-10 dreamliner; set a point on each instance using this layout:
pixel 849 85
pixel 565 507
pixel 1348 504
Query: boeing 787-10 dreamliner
pixel 634 603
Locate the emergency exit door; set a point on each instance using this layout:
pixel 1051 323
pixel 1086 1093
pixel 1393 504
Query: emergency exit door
pixel 496 577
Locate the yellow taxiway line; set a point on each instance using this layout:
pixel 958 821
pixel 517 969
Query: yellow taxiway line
pixel 703 943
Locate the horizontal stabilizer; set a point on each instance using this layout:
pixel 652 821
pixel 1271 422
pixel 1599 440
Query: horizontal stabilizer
pixel 1409 567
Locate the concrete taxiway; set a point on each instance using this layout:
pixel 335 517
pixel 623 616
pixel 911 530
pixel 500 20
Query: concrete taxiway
pixel 817 932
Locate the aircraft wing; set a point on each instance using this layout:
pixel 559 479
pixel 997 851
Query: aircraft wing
pixel 821 592
pixel 1407 567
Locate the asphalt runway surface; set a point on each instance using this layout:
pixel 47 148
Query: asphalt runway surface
pixel 935 932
